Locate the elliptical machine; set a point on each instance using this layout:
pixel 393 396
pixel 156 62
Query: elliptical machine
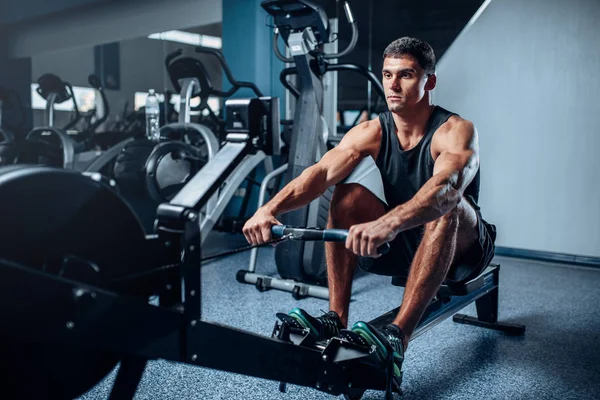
pixel 305 29
pixel 190 145
pixel 190 77
pixel 55 147
pixel 47 144
pixel 184 147
pixel 95 151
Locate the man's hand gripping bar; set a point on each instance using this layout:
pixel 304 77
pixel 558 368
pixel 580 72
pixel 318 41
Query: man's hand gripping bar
pixel 317 234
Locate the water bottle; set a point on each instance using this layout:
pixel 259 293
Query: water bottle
pixel 152 117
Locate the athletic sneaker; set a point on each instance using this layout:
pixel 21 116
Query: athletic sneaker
pixel 367 334
pixel 321 328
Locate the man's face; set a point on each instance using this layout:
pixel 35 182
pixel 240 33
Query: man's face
pixel 404 82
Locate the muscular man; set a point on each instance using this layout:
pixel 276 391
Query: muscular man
pixel 409 177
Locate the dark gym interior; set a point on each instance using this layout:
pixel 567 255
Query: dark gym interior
pixel 141 139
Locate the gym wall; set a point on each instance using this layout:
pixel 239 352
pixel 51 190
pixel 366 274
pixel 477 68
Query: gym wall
pixel 526 73
pixel 11 13
pixel 12 72
pixel 111 21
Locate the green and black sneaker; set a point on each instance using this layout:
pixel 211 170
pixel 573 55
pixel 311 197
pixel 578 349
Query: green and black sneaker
pixel 321 328
pixel 366 334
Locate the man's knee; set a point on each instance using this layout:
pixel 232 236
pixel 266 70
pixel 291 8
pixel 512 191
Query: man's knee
pixel 462 215
pixel 448 220
pixel 462 220
pixel 355 203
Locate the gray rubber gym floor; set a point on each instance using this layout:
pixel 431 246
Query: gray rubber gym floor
pixel 557 358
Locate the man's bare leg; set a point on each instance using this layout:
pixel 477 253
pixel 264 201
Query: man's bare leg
pixel 351 204
pixel 444 241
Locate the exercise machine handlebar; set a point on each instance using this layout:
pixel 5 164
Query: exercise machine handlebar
pixel 317 234
pixel 367 73
pixel 276 48
pixel 354 38
pixel 96 83
pixel 236 85
pixel 171 56
pixel 77 117
pixel 277 8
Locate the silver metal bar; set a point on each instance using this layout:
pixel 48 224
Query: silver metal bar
pixel 237 137
pixel 185 97
pixel 288 285
pixel 50 109
pixel 229 187
pixel 348 11
pixel 261 201
pixel 212 143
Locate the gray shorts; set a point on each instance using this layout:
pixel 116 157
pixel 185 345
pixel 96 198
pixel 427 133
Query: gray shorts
pixel 397 261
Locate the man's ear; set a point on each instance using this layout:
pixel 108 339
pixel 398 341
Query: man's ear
pixel 431 82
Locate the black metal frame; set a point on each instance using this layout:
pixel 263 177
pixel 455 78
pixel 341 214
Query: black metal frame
pixel 367 73
pixel 483 290
pixel 67 311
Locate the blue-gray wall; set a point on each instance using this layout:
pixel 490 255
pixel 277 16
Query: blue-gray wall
pixel 247 46
pixel 527 72
pixel 109 21
pixel 12 11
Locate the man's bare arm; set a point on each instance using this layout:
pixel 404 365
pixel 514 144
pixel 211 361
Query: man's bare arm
pixel 333 167
pixel 453 171
pixel 336 164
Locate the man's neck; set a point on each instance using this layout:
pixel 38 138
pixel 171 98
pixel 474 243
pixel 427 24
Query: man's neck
pixel 412 123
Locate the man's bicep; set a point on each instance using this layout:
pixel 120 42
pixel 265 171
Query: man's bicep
pixel 360 142
pixel 459 159
pixel 338 163
pixel 458 168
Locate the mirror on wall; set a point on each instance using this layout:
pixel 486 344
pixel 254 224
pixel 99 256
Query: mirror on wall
pixel 125 72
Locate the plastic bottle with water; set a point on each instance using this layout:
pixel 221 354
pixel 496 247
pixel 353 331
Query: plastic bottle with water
pixel 152 117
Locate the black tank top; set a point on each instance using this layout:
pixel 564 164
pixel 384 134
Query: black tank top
pixel 405 172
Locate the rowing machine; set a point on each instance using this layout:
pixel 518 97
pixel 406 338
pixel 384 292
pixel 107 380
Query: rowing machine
pixel 71 311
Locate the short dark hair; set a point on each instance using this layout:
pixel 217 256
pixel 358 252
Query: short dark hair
pixel 416 48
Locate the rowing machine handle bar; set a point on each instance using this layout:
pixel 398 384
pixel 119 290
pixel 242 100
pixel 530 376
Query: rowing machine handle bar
pixel 317 234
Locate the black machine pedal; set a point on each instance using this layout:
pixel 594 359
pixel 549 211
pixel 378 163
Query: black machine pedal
pixel 386 368
pixel 290 330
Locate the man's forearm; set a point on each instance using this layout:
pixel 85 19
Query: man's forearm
pixel 299 192
pixel 435 199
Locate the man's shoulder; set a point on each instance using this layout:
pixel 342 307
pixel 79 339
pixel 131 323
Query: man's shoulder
pixel 455 124
pixel 370 127
pixel 364 138
pixel 455 130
